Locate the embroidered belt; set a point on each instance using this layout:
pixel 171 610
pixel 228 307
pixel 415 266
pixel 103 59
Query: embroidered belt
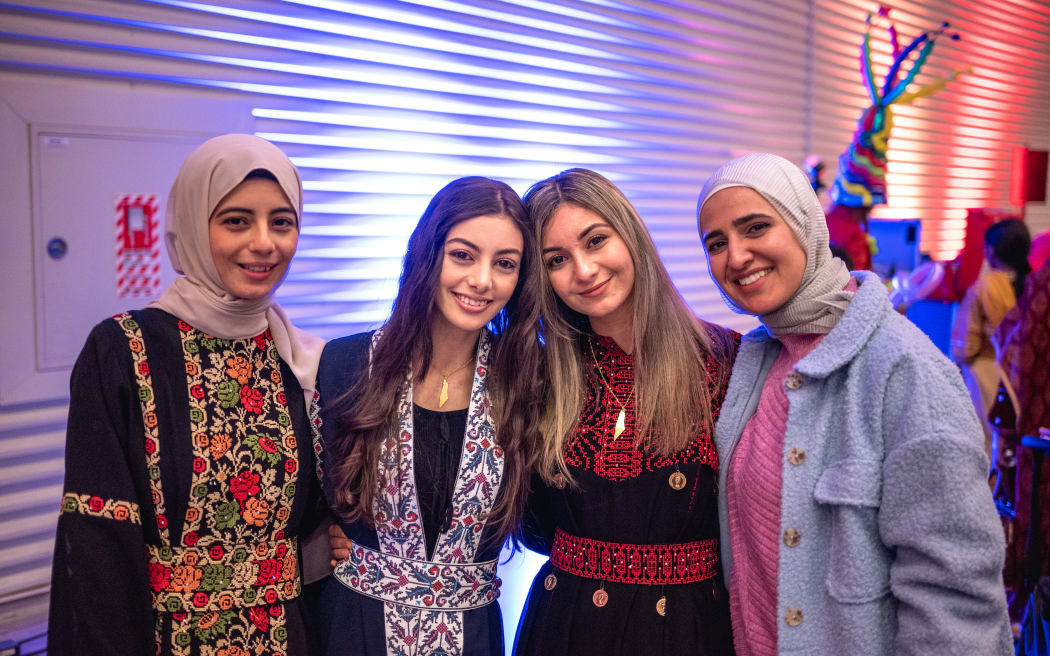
pixel 640 564
pixel 419 583
pixel 219 577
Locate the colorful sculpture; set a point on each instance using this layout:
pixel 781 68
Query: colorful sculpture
pixel 861 180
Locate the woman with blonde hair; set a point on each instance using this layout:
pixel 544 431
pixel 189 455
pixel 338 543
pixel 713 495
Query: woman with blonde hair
pixel 626 489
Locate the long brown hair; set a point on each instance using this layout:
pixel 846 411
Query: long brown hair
pixel 671 388
pixel 367 412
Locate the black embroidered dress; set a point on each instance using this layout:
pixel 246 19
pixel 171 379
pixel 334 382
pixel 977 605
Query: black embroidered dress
pixel 624 496
pixel 188 478
pixel 350 623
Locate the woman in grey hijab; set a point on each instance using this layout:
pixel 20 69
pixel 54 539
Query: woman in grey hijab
pixel 853 502
pixel 189 468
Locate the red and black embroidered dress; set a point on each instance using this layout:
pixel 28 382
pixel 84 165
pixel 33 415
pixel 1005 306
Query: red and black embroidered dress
pixel 188 479
pixel 650 548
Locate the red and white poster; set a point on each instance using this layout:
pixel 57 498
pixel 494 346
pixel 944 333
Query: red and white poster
pixel 138 246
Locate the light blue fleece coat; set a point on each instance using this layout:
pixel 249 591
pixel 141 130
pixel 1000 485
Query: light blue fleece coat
pixel 901 549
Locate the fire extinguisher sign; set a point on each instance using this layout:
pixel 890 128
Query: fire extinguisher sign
pixel 138 246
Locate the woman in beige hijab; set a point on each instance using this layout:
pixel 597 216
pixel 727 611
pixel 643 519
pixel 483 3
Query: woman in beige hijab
pixel 188 465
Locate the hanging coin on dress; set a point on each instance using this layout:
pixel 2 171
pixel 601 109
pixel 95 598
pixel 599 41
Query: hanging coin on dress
pixel 600 597
pixel 661 606
pixel 677 480
pixel 550 581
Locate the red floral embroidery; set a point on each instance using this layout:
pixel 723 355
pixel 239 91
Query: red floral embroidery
pixel 159 576
pixel 216 552
pixel 244 485
pixel 190 538
pixel 150 446
pixel 259 617
pixel 260 342
pixel 282 398
pixel 289 466
pixel 252 399
pixel 144 368
pixel 197 391
pixel 199 465
pixel 184 327
pixel 267 445
pixel 96 504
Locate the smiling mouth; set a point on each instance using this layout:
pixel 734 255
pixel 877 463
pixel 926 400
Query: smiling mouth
pixel 257 268
pixel 754 277
pixel 597 289
pixel 471 302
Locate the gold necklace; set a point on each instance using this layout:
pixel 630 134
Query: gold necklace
pixel 620 419
pixel 443 396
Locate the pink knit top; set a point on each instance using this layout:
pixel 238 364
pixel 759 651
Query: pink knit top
pixel 753 487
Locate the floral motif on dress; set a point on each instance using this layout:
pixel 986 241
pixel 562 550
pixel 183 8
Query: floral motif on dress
pixel 88 504
pixel 223 583
pixel 593 445
pixel 411 630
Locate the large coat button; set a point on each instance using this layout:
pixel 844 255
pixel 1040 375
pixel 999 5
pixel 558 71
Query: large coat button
pixel 792 537
pixel 793 617
pixel 793 381
pixel 796 456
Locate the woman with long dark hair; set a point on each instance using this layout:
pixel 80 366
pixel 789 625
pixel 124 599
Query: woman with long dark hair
pixel 427 433
pixel 625 502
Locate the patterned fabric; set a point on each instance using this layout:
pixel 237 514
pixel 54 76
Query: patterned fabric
pixel 1023 339
pixel 593 446
pixel 419 583
pixel 314 409
pixel 638 564
pixel 222 584
pixel 87 504
pixel 411 630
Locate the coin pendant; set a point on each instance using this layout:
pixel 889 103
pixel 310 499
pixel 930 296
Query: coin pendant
pixel 661 606
pixel 550 581
pixel 677 480
pixel 600 598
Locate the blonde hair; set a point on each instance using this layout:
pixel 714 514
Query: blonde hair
pixel 672 398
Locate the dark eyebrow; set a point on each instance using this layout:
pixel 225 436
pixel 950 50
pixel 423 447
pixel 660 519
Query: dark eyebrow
pixel 583 233
pixel 245 210
pixel 464 241
pixel 509 251
pixel 737 223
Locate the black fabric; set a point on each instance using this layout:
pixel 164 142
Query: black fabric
pixel 623 495
pixel 100 589
pixel 350 623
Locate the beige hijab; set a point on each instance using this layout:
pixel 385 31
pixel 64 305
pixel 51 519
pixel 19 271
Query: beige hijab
pixel 198 296
pixel 821 298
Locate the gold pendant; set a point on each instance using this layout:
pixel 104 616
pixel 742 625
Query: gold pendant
pixel 619 425
pixel 661 606
pixel 600 597
pixel 443 396
pixel 677 480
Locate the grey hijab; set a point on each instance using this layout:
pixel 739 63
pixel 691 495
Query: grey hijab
pixel 820 299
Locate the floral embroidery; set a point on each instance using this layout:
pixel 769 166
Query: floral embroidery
pixel 86 504
pixel 400 529
pixel 224 583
